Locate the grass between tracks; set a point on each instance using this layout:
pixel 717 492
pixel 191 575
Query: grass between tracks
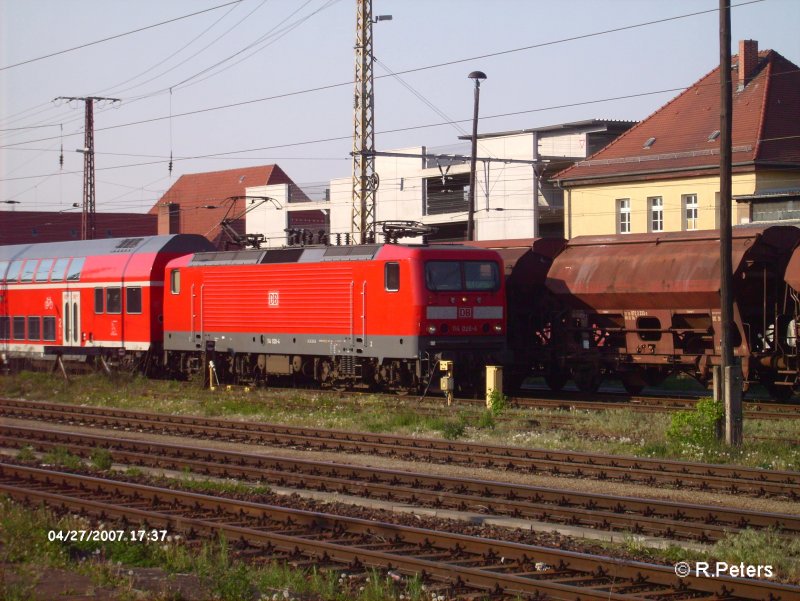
pixel 613 431
pixel 210 570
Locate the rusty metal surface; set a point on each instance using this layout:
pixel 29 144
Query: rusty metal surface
pixel 660 271
pixel 606 512
pixel 503 568
pixel 792 276
pixel 671 473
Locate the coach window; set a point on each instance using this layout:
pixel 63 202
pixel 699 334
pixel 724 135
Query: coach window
pixel 19 328
pixel 59 269
pixel 133 300
pixel 34 328
pixel 49 328
pixel 175 281
pixel 28 270
pixel 4 327
pixel 13 271
pixel 391 273
pixel 113 300
pixel 74 271
pixel 98 300
pixel 44 270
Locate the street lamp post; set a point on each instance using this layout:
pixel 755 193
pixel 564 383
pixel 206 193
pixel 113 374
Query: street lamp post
pixel 478 76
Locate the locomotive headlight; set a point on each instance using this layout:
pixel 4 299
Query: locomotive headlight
pixel 431 329
pixel 498 328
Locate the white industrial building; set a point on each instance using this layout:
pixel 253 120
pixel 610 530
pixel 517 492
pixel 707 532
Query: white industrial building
pixel 513 199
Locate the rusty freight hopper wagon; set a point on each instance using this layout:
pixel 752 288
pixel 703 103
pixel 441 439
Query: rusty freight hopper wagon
pixel 642 307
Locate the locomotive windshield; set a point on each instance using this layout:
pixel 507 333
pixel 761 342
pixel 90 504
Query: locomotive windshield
pixel 462 275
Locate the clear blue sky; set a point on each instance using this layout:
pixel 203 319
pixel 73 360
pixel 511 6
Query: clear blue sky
pixel 307 45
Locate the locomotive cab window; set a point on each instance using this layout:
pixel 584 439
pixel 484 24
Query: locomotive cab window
pixel 99 296
pixel 133 300
pixel 3 270
pixel 175 281
pixel 391 273
pixel 462 275
pixel 113 300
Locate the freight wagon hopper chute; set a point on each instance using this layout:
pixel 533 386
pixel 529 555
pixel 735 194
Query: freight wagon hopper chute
pixel 641 307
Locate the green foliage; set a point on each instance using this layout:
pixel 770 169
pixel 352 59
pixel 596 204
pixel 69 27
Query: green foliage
pixel 761 547
pixel 697 427
pixel 498 402
pixel 486 420
pixel 26 454
pixel 61 456
pixel 101 459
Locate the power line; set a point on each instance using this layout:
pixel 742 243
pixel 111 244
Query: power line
pixel 119 35
pixel 415 69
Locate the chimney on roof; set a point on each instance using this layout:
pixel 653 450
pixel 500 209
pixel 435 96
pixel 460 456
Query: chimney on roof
pixel 748 61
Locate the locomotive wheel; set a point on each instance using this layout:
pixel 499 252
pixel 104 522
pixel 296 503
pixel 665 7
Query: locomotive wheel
pixel 779 393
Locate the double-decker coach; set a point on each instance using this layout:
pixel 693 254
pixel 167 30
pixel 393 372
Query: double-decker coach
pixel 378 315
pixel 80 299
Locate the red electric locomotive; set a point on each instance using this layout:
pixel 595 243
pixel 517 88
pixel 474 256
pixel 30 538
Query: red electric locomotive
pixel 97 298
pixel 378 315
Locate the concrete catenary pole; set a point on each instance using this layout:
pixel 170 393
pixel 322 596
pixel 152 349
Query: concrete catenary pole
pixel 731 371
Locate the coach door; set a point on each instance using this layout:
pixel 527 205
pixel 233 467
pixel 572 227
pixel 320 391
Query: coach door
pixel 71 318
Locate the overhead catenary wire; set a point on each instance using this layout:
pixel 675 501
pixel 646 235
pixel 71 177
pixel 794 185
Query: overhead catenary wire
pixel 455 61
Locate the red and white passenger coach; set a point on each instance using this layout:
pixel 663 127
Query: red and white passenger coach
pixel 96 298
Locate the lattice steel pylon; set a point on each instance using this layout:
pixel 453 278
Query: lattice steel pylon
pixel 88 221
pixel 365 180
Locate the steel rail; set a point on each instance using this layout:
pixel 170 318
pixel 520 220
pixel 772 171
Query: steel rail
pixel 607 512
pixel 488 565
pixel 734 479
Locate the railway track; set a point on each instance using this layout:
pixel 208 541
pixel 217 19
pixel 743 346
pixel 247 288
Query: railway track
pixel 732 479
pixel 682 521
pixel 467 564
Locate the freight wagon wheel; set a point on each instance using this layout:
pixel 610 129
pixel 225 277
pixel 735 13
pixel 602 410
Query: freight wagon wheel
pixel 587 381
pixel 632 389
pixel 779 393
pixel 555 382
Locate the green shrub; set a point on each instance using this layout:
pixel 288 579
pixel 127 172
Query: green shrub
pixel 699 426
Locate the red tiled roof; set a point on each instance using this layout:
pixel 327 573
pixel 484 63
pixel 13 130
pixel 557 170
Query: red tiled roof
pixel 196 190
pixel 766 129
pixel 29 227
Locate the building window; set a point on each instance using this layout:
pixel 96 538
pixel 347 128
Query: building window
pixel 113 300
pixel 656 213
pixel 19 328
pixel 49 328
pixel 624 215
pixel 34 328
pixel 392 277
pixel 690 211
pixel 133 300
